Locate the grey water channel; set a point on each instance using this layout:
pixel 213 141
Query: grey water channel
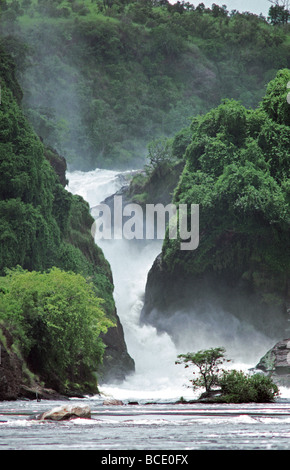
pixel 155 426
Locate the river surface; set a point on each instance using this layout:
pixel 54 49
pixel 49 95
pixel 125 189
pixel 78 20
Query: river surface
pixel 156 422
pixel 148 427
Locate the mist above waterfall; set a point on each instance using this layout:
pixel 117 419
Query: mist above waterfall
pixel 191 331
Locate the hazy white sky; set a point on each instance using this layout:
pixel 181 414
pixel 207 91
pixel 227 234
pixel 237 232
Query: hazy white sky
pixel 253 6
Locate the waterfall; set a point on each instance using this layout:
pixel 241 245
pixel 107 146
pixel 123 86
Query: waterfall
pixel 156 376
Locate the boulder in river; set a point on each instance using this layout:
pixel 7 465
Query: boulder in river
pixel 66 412
pixel 112 401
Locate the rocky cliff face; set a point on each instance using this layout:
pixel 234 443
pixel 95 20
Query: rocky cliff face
pixel 276 363
pixel 117 363
pixel 174 303
pixel 11 375
pixel 16 381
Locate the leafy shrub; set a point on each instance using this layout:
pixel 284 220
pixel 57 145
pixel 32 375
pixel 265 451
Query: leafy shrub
pixel 56 320
pixel 208 363
pixel 238 387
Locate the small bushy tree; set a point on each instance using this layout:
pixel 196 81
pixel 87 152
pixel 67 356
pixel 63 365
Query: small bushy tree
pixel 279 13
pixel 238 387
pixel 233 386
pixel 208 363
pixel 159 152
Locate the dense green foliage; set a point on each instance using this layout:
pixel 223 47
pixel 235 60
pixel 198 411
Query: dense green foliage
pixel 231 386
pixel 279 14
pixel 56 320
pixel 30 235
pixel 238 387
pixel 237 169
pixel 42 225
pixel 102 79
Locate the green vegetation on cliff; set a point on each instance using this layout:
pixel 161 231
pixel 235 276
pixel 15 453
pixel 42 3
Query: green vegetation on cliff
pixel 159 178
pixel 43 226
pixel 56 320
pixel 102 79
pixel 237 169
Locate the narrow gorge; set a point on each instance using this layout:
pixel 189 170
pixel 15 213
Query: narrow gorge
pixel 160 104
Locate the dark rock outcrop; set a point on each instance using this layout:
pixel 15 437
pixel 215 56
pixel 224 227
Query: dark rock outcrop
pixel 15 380
pixel 58 163
pixel 11 375
pixel 276 363
pixel 117 363
pixel 172 300
pixel 158 187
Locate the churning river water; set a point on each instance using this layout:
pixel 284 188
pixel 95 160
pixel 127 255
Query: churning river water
pixel 162 426
pixel 156 423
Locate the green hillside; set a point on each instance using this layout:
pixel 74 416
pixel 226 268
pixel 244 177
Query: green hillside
pixel 102 79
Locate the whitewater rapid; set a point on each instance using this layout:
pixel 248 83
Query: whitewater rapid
pixel 157 377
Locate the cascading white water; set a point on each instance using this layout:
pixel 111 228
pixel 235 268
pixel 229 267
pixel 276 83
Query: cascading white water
pixel 157 376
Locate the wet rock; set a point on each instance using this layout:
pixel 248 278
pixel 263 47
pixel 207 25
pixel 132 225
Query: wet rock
pixel 11 370
pixel 15 382
pixel 276 363
pixel 66 412
pixel 39 393
pixel 112 401
pixel 58 163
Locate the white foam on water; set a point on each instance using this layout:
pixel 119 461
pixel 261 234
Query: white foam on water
pixel 154 354
pixel 157 377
